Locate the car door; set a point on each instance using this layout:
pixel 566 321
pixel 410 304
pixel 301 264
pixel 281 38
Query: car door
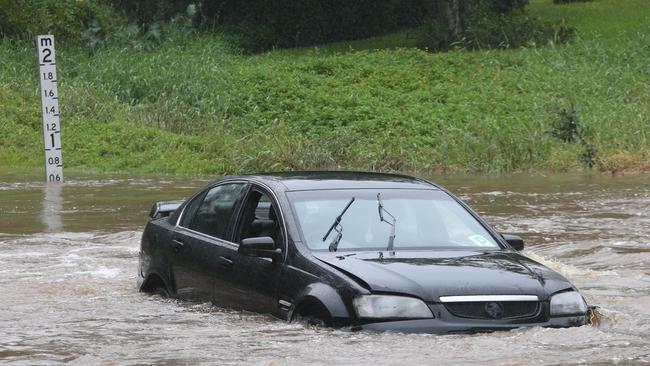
pixel 255 280
pixel 203 257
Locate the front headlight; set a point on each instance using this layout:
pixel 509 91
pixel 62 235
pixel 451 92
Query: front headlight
pixel 384 306
pixel 568 303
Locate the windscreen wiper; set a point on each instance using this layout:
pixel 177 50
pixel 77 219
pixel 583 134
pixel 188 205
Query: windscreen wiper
pixel 336 225
pixel 382 211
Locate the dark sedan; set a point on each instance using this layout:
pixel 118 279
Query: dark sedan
pixel 359 250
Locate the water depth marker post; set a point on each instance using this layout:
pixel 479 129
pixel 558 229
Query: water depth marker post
pixel 50 108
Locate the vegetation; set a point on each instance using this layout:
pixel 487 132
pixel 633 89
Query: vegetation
pixel 171 100
pixel 483 24
pixel 569 1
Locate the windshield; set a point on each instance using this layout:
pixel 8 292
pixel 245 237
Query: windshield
pixel 424 219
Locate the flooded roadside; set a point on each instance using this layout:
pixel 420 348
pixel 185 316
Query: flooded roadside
pixel 68 258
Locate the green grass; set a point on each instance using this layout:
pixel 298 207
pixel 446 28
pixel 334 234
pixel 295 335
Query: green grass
pixel 196 106
pixel 605 19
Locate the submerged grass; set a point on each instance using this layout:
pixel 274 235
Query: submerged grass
pixel 195 105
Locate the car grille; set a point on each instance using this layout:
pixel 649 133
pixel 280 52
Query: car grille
pixel 494 310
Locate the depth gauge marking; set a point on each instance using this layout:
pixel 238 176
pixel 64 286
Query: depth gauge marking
pixel 50 108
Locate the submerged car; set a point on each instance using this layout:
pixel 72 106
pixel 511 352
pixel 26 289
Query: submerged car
pixel 366 251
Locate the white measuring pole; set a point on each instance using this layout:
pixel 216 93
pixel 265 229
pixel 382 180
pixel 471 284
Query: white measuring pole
pixel 50 108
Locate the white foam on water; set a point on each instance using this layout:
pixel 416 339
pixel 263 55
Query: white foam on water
pixel 569 270
pixel 104 272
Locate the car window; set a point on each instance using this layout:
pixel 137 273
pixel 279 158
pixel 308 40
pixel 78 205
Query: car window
pixel 190 210
pixel 259 218
pixel 214 213
pixel 423 219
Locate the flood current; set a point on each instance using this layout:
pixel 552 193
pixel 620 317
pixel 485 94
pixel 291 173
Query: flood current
pixel 68 259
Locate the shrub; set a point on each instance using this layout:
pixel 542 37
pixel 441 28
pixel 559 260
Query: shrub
pixel 568 129
pixel 511 29
pixel 66 19
pixel 495 24
pixel 144 13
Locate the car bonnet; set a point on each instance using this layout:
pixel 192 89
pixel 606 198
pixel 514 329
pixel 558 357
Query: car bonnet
pixel 429 275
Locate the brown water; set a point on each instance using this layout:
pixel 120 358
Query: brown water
pixel 68 258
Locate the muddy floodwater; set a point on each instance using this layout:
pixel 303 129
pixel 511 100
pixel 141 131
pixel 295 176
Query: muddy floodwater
pixel 68 258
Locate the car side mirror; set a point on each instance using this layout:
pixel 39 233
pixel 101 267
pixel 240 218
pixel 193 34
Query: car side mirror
pixel 516 242
pixel 263 246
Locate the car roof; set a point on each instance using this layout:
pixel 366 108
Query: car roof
pixel 300 181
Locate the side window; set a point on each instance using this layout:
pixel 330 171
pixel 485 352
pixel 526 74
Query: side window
pixel 190 210
pixel 214 213
pixel 260 218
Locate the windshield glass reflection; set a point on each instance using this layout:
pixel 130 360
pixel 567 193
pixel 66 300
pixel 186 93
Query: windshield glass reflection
pixel 424 219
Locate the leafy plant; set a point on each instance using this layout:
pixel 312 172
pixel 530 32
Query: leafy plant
pixel 568 128
pixel 495 24
pixel 67 19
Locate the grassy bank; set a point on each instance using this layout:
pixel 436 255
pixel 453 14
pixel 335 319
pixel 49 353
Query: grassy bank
pixel 194 105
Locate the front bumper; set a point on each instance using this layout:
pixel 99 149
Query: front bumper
pixel 438 326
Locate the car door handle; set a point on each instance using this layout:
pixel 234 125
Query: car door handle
pixel 224 261
pixel 178 245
